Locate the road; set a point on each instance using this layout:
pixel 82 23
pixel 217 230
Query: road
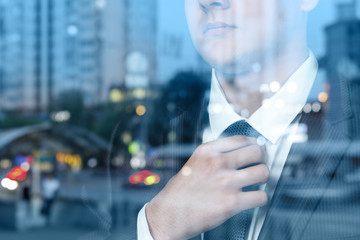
pixel 62 234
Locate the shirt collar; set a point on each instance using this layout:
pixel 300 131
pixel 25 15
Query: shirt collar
pixel 275 114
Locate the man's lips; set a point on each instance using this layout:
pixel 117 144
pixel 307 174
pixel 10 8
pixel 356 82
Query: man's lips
pixel 218 28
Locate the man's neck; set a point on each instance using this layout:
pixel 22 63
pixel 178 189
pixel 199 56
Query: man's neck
pixel 247 92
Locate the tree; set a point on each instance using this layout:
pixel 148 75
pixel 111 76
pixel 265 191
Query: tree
pixel 182 96
pixel 71 100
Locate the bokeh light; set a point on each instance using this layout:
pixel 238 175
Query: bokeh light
pixel 323 97
pixel 5 163
pixel 139 93
pixel 138 161
pixel 172 136
pixel 186 171
pixel 92 163
pixel 126 137
pixel 146 177
pixel 73 160
pixel 17 173
pixel 316 107
pixel 26 166
pixel 140 110
pixel 134 147
pixel 9 184
pixel 274 86
pixel 307 108
pixel 261 141
pixel 116 96
pixel 150 180
pixel 134 179
pixel 61 116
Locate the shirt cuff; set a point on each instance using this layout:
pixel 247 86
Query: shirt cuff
pixel 143 231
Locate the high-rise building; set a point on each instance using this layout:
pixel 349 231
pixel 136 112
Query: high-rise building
pixel 47 47
pixel 353 101
pixel 17 55
pixel 342 65
pixel 114 52
pixel 75 48
pixel 50 46
pixel 140 42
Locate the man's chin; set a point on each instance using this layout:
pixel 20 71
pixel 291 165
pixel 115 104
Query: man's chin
pixel 230 65
pixel 218 57
pixel 231 69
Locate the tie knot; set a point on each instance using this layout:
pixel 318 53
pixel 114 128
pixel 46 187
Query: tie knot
pixel 240 128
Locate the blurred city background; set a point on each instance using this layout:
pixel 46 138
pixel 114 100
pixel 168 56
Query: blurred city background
pixel 71 71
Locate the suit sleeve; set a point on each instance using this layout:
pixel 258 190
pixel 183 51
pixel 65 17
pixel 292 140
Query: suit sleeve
pixel 143 231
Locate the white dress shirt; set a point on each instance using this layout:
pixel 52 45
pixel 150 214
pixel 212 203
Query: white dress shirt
pixel 272 120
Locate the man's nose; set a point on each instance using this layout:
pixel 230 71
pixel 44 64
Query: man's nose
pixel 207 5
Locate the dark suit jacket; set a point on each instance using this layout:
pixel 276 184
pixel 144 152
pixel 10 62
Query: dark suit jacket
pixel 314 198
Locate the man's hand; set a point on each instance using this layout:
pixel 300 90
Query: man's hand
pixel 208 189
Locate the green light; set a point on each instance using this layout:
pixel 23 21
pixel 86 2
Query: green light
pixel 159 163
pixel 134 148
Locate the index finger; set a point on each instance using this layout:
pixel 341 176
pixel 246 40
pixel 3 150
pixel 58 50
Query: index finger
pixel 232 143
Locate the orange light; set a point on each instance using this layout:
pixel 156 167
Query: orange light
pixel 134 179
pixel 71 160
pixel 150 180
pixel 17 173
pixel 157 178
pixel 140 110
pixel 146 177
pixel 60 157
pixel 323 97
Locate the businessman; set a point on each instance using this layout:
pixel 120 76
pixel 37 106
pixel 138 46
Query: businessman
pixel 262 74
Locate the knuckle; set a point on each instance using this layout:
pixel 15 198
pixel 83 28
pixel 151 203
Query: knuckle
pixel 204 149
pixel 258 152
pixel 213 163
pixel 199 152
pixel 265 171
pixel 224 182
pixel 240 139
pixel 230 201
pixel 230 163
pixel 244 174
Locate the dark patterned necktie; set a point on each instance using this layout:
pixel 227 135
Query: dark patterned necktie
pixel 236 227
pixel 240 128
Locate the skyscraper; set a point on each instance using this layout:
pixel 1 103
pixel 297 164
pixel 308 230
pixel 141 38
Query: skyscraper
pixel 17 55
pixel 51 46
pixel 75 48
pixel 342 65
pixel 48 47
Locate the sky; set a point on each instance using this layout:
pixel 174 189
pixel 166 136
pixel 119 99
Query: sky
pixel 172 13
pixel 323 15
pixel 172 20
